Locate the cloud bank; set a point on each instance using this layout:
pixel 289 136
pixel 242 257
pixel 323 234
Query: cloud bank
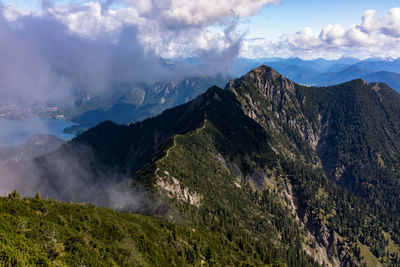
pixel 71 175
pixel 373 36
pixel 61 51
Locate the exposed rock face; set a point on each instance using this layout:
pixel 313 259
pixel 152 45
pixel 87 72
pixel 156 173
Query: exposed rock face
pixel 267 80
pixel 175 189
pixel 136 96
pixel 274 93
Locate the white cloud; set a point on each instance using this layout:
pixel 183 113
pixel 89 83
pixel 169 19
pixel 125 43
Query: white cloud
pixel 391 26
pixel 176 13
pixel 374 36
pixel 370 21
pixel 90 20
pixel 332 35
pixel 171 28
pixel 12 12
pixel 180 27
pixel 62 50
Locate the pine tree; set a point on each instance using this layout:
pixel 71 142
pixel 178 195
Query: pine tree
pixel 38 196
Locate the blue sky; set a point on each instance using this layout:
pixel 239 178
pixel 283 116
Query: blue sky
pixel 293 15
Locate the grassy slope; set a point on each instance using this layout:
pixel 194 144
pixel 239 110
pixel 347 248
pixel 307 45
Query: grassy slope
pixel 46 232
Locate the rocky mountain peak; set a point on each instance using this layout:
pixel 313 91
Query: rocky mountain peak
pixel 265 79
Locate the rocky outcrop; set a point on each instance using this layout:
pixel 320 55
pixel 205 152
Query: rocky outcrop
pixel 269 98
pixel 177 190
pixel 136 96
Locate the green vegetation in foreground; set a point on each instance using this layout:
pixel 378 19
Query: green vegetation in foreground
pixel 46 232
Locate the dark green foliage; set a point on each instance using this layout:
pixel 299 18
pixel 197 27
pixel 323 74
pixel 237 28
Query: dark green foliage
pixel 362 138
pixel 37 196
pixel 45 232
pixel 14 195
pixel 358 126
pixel 254 222
pixel 131 147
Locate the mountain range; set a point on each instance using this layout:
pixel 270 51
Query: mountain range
pixel 263 172
pixel 322 72
pixel 135 102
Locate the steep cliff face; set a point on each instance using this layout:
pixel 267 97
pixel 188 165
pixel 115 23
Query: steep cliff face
pixel 270 99
pixel 347 131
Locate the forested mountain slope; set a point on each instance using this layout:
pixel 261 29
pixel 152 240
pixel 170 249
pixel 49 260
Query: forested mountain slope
pixel 37 232
pixel 286 173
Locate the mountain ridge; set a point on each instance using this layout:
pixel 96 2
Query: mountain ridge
pixel 261 163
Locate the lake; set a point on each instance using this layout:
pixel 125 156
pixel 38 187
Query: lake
pixel 16 132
